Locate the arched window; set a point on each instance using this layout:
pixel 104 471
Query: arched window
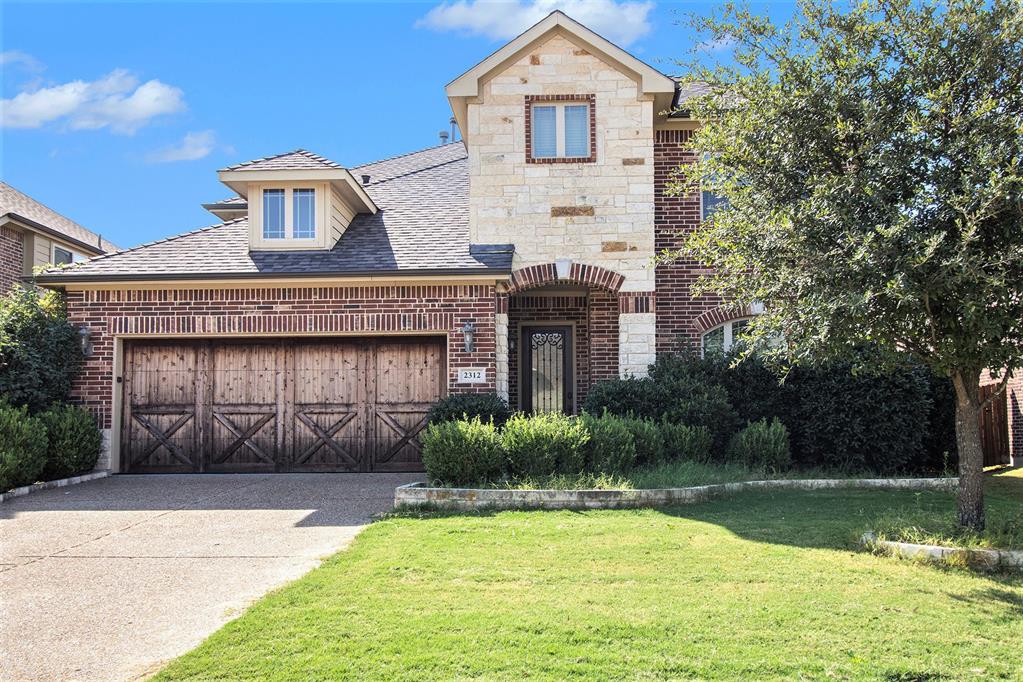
pixel 722 338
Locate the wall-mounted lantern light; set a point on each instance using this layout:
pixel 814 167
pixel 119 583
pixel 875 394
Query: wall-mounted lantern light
pixel 85 340
pixel 469 336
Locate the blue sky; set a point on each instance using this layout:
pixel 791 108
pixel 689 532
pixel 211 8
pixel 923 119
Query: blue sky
pixel 118 115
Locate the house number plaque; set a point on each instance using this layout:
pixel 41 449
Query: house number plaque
pixel 472 375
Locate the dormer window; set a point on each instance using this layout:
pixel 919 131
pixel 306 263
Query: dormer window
pixel 303 213
pixel 560 129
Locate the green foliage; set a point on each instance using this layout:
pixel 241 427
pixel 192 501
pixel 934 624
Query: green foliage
pixel 542 444
pixel 611 448
pixel 648 439
pixel 688 443
pixel 486 406
pixel 73 441
pixel 22 447
pixel 39 349
pixel 463 452
pixel 762 444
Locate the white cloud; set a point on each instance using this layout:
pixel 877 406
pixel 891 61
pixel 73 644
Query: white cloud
pixel 21 59
pixel 620 22
pixel 116 101
pixel 193 146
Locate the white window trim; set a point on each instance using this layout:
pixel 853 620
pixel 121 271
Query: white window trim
pixel 288 241
pixel 53 253
pixel 726 344
pixel 559 128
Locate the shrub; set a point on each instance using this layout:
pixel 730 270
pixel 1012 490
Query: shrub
pixel 73 441
pixel 544 444
pixel 624 397
pixel 463 452
pixel 648 439
pixel 612 447
pixel 486 406
pixel 39 349
pixel 860 421
pixel 689 443
pixel 762 444
pixel 22 447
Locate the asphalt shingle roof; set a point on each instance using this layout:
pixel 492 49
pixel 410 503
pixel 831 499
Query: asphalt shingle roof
pixel 299 159
pixel 20 204
pixel 422 225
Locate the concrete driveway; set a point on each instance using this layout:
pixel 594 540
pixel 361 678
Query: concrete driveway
pixel 107 579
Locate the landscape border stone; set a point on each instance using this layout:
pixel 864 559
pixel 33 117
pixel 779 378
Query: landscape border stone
pixel 47 485
pixel 984 559
pixel 421 495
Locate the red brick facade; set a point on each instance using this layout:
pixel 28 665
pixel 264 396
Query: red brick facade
pixel 674 217
pixel 282 311
pixel 594 318
pixel 1014 410
pixel 12 257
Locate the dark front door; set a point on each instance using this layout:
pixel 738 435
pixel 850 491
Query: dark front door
pixel 547 369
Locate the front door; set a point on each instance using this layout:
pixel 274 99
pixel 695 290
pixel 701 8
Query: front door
pixel 547 377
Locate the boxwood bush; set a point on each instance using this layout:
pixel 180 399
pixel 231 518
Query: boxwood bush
pixel 689 443
pixel 762 444
pixel 486 406
pixel 611 448
pixel 73 441
pixel 463 452
pixel 22 447
pixel 544 444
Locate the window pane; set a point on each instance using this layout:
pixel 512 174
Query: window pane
pixel 305 213
pixel 714 341
pixel 577 130
pixel 273 214
pixel 61 256
pixel 545 132
pixel 711 203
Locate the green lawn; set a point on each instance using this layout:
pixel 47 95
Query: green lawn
pixel 757 586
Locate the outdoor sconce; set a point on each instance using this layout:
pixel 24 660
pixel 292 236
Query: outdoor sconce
pixel 469 336
pixel 85 340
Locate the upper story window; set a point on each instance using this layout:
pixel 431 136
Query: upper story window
pixel 560 129
pixel 709 201
pixel 303 213
pixel 62 256
pixel 723 338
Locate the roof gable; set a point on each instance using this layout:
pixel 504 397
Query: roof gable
pixel 299 159
pixel 18 206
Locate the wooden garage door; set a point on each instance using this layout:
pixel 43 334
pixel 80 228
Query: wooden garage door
pixel 285 405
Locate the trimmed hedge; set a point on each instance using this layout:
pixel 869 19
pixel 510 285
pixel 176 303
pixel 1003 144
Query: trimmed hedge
pixel 73 440
pixel 22 447
pixel 464 452
pixel 544 444
pixel 690 443
pixel 486 406
pixel 611 448
pixel 762 444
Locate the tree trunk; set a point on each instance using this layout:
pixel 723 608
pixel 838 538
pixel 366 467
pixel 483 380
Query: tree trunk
pixel 971 455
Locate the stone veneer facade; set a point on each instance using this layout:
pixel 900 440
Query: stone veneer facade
pixel 600 211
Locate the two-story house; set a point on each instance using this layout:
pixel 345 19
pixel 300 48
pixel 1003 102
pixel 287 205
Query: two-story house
pixel 33 235
pixel 313 328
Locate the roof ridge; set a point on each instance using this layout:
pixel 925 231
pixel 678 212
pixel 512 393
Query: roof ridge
pixel 162 241
pixel 300 151
pixel 401 156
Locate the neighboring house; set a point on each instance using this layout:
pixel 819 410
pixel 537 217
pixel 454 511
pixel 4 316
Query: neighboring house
pixel 32 235
pixel 312 330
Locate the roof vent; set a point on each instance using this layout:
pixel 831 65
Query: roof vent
pixel 443 136
pixel 365 179
pixel 454 129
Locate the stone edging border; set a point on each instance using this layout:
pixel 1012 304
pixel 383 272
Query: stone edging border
pixel 419 494
pixel 47 485
pixel 984 559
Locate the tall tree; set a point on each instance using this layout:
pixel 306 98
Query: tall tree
pixel 872 159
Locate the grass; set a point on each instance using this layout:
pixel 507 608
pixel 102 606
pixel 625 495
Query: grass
pixel 931 522
pixel 675 474
pixel 764 585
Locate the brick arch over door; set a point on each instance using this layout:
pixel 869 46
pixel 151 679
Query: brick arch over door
pixel 718 316
pixel 578 273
